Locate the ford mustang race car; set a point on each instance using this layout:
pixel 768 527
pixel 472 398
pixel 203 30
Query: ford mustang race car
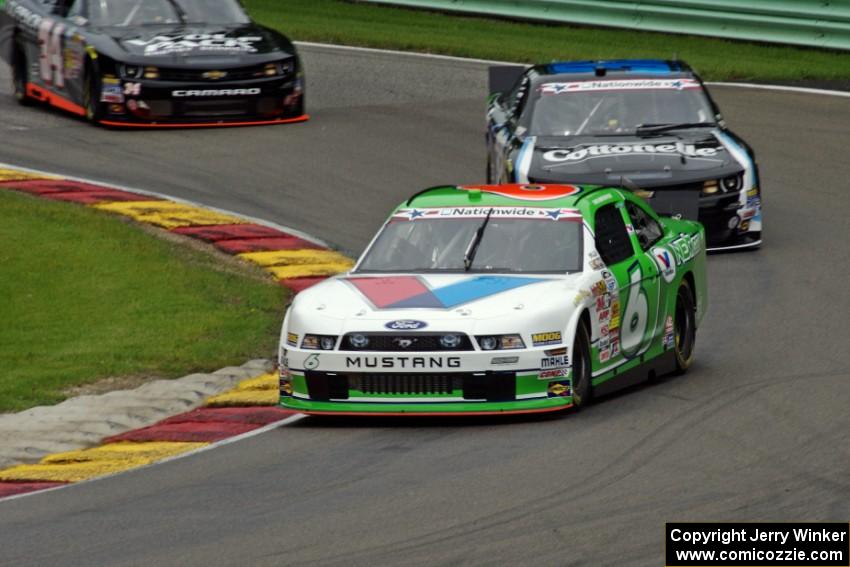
pixel 494 299
pixel 635 123
pixel 162 63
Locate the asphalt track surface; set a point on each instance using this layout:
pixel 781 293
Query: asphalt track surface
pixel 757 431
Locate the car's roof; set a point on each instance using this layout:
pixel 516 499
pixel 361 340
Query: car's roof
pixel 618 68
pixel 515 195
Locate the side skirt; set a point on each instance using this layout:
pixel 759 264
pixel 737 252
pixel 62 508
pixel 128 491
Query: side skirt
pixel 43 95
pixel 660 365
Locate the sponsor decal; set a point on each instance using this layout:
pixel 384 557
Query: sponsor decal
pixel 177 43
pixel 292 339
pixel 216 92
pixel 599 288
pixel 554 373
pixel 111 93
pixel 580 297
pixel 666 263
pixel 132 89
pixel 532 213
pixel 583 153
pixel 686 247
pixel 402 362
pixel 548 338
pixel 526 192
pixel 559 389
pixel 618 85
pixel 669 338
pixel 26 17
pixel 604 355
pixel 554 361
pixel 72 60
pixel 401 292
pixel 406 325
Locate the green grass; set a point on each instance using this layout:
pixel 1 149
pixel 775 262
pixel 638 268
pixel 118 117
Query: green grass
pixel 336 21
pixel 86 295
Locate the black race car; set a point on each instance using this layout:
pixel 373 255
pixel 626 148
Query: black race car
pixel 646 125
pixel 152 62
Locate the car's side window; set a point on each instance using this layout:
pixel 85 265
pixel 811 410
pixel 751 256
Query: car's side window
pixel 647 229
pixel 612 238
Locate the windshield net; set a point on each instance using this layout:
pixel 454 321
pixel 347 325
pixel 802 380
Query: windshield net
pixel 615 106
pixel 514 240
pixel 146 12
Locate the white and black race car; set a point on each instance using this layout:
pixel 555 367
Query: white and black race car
pixel 642 124
pixel 151 62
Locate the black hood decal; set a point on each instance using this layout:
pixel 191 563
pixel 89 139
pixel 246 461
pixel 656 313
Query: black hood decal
pixel 197 40
pixel 656 161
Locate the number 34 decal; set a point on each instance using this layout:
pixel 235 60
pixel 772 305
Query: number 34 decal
pixel 50 58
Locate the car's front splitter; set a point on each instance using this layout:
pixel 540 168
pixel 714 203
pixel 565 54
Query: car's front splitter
pixel 541 405
pixel 217 124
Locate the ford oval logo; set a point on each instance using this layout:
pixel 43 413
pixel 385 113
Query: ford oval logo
pixel 406 325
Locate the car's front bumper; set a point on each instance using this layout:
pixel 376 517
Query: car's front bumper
pixel 169 104
pixel 472 386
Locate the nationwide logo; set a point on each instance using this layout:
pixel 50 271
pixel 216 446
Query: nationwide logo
pixel 618 85
pixel 579 154
pixel 531 213
pixel 404 292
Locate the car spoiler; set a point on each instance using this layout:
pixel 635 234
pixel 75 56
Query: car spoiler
pixel 504 77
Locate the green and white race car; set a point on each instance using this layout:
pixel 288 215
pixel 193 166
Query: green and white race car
pixel 499 299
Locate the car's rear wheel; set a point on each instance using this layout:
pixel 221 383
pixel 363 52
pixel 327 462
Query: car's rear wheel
pixel 581 368
pixel 20 76
pixel 684 327
pixel 91 98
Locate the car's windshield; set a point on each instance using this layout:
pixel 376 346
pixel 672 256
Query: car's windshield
pixel 612 107
pixel 514 240
pixel 145 12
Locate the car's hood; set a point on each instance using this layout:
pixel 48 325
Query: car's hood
pixel 458 302
pixel 185 43
pixel 679 158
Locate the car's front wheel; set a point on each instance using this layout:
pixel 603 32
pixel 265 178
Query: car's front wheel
pixel 19 76
pixel 581 368
pixel 684 327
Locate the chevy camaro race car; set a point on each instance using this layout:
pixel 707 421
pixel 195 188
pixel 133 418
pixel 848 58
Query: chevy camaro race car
pixel 494 299
pixel 636 123
pixel 151 62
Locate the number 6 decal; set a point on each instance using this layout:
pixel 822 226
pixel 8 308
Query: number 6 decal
pixel 50 59
pixel 634 319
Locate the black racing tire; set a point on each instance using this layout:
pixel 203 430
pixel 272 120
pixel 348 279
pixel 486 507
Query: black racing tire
pixel 19 76
pixel 91 100
pixel 684 327
pixel 581 368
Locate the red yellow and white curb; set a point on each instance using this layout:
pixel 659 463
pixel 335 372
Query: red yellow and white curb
pixel 248 407
pixel 295 260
